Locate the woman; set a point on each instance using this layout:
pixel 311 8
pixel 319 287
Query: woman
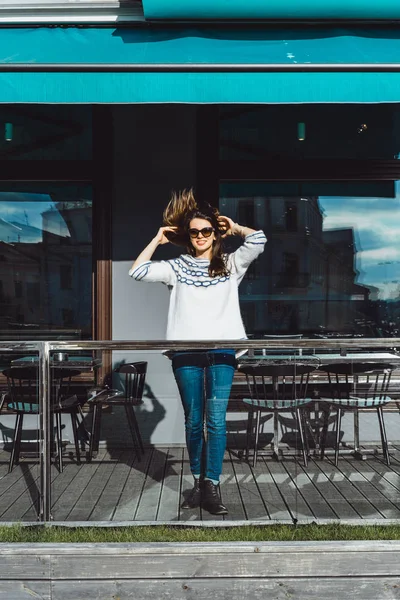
pixel 204 305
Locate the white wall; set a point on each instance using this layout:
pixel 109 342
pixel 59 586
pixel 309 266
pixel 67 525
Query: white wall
pixel 154 153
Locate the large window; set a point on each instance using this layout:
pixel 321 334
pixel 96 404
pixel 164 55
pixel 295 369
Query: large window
pixel 336 273
pixel 46 261
pixel 46 264
pixel 321 181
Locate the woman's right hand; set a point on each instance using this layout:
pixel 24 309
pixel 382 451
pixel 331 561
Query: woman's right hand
pixel 161 238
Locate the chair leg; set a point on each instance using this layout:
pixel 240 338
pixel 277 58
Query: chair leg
pixel 59 441
pixel 129 410
pixel 136 427
pixel 92 430
pixel 356 431
pixel 275 441
pixel 383 435
pixel 14 458
pixel 338 425
pixel 250 415
pixel 324 432
pixel 95 435
pixel 301 431
pixel 74 425
pixel 84 435
pixel 256 437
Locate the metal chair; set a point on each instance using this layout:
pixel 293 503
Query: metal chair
pixel 357 387
pixel 133 383
pixel 276 388
pixel 22 398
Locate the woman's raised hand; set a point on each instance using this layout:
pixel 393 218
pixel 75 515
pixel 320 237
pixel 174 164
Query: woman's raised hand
pixel 161 238
pixel 226 226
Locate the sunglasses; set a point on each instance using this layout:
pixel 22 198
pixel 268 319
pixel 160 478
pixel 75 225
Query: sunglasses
pixel 205 232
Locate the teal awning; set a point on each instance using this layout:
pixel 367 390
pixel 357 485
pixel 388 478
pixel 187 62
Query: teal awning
pixel 78 65
pixel 271 9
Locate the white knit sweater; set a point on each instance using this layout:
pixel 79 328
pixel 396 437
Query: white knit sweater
pixel 203 307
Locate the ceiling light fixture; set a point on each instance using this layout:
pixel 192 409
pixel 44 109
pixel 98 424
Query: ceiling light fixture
pixel 301 132
pixel 8 132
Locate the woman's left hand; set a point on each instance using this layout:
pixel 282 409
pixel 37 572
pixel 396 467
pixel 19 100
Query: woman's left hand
pixel 226 226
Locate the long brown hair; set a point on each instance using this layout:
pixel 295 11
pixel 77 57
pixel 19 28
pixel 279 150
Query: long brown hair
pixel 181 209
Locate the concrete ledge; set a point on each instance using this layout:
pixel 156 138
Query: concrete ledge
pixel 366 570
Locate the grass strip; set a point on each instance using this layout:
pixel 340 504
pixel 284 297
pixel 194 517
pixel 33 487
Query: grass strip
pixel 271 533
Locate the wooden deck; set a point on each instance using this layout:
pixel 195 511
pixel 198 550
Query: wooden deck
pixel 117 487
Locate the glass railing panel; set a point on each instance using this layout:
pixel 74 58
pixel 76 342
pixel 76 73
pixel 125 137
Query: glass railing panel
pixel 20 445
pixel 327 415
pixel 353 471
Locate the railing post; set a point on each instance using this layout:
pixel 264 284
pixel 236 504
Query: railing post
pixel 45 430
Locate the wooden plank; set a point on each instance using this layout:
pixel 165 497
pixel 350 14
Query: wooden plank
pixel 349 491
pixel 66 502
pixel 110 496
pixel 129 498
pixel 296 504
pixel 381 477
pixel 308 549
pixel 375 497
pixel 380 467
pixel 193 514
pixel 219 564
pixel 250 492
pixel 10 479
pixel 18 497
pixel 149 500
pixel 315 500
pixel 25 590
pixel 31 513
pixel 61 482
pixel 171 487
pixel 336 500
pixel 87 501
pixel 270 492
pixel 385 588
pixel 24 566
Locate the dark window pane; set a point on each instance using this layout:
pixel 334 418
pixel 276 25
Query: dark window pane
pixel 18 289
pixel 65 277
pixel 46 132
pixel 291 216
pixel 267 132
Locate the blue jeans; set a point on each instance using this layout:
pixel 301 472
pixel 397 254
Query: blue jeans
pixel 204 380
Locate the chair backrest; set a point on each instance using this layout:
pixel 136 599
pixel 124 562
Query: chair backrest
pixel 366 383
pixel 23 390
pixel 134 380
pixel 22 383
pixel 277 382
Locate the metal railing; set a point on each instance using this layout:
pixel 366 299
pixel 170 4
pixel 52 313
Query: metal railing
pixel 45 348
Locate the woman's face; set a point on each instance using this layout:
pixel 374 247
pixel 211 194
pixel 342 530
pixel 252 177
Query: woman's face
pixel 201 243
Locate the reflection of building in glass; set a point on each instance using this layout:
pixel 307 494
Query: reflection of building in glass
pixel 20 287
pixel 305 281
pixel 45 274
pixel 67 262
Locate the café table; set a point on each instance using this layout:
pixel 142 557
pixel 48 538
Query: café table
pixel 81 363
pixel 326 357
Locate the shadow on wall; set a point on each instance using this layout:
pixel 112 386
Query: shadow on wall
pixel 115 433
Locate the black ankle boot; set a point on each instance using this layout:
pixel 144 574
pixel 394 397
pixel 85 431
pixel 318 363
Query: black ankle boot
pixel 194 498
pixel 211 500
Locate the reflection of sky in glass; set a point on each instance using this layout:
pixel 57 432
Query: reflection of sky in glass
pixel 27 209
pixel 376 225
